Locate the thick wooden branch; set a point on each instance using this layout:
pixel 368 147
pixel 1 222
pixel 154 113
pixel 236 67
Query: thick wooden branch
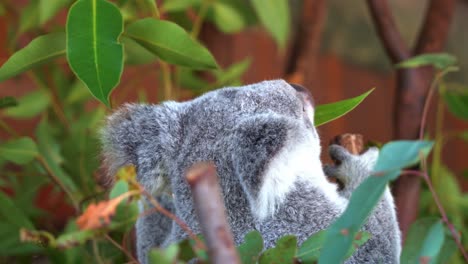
pixel 302 63
pixel 210 210
pixel 387 30
pixel 436 26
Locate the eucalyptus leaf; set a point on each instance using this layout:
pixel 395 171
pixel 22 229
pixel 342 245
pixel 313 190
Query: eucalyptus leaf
pixel 8 101
pixel 119 188
pixel 29 105
pixel 438 60
pixel 227 18
pixel 367 195
pixel 275 17
pixel 329 112
pixel 433 243
pixel 170 43
pixel 19 151
pixel 48 8
pixel 39 51
pixel 164 256
pixel 456 98
pixel 29 17
pixel 283 252
pixel 426 237
pixel 93 50
pixel 402 153
pixel 136 54
pixel 249 251
pixel 50 152
pixel 179 5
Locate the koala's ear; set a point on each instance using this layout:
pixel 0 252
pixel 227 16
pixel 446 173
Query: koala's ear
pixel 139 135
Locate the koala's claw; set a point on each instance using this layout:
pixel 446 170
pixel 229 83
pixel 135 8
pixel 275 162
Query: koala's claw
pixel 338 153
pixel 329 170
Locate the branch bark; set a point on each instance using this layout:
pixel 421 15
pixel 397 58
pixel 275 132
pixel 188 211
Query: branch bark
pixel 412 86
pixel 210 210
pixel 302 65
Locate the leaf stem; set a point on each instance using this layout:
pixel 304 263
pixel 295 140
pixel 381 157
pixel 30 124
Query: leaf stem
pixel 55 179
pixel 198 243
pixel 167 82
pixel 8 129
pixel 445 219
pixel 117 245
pixel 200 18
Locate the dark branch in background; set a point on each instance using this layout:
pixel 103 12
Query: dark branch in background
pixel 412 86
pixel 387 30
pixel 302 65
pixel 210 209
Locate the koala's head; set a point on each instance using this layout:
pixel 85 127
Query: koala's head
pixel 261 134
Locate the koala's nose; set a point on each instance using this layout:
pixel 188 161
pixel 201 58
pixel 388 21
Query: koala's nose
pixel 299 88
pixel 304 92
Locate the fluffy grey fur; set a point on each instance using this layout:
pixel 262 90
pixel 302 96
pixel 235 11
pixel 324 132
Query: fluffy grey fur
pixel 262 139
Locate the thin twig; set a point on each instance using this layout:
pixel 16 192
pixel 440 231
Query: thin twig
pixel 198 243
pixel 210 210
pixel 445 219
pixel 429 96
pixel 8 129
pixel 117 245
pixel 96 253
pixel 200 18
pixel 167 82
pixel 57 181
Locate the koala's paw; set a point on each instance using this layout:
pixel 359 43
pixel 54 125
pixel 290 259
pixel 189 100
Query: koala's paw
pixel 350 169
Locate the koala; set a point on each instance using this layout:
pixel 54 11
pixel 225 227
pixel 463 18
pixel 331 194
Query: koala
pixel 262 140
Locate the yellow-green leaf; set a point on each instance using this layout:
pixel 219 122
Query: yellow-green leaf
pixel 274 15
pixel 329 112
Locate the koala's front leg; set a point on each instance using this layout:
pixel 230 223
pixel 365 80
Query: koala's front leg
pixel 352 170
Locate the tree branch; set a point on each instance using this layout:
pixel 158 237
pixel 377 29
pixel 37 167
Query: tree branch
pixel 387 30
pixel 210 210
pixel 436 26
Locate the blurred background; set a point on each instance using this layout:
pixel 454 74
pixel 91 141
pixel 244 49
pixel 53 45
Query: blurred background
pixel 332 47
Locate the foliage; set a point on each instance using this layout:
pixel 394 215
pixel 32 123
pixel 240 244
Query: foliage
pixel 99 40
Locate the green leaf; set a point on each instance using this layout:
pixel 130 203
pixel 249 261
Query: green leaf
pixel 250 250
pixel 48 8
pixel 329 112
pixel 73 239
pixel 400 154
pixel 164 256
pixel 136 54
pixel 274 16
pixel 233 73
pixel 50 151
pixel 39 51
pixel 341 233
pixel 426 238
pixel 283 252
pixel 93 51
pixel 7 101
pixel 29 105
pixel 179 5
pixel 19 151
pixel 12 214
pixel 227 18
pixel 170 43
pixel 456 98
pixel 310 249
pixel 119 188
pixel 29 17
pixel 438 60
pixel 432 243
